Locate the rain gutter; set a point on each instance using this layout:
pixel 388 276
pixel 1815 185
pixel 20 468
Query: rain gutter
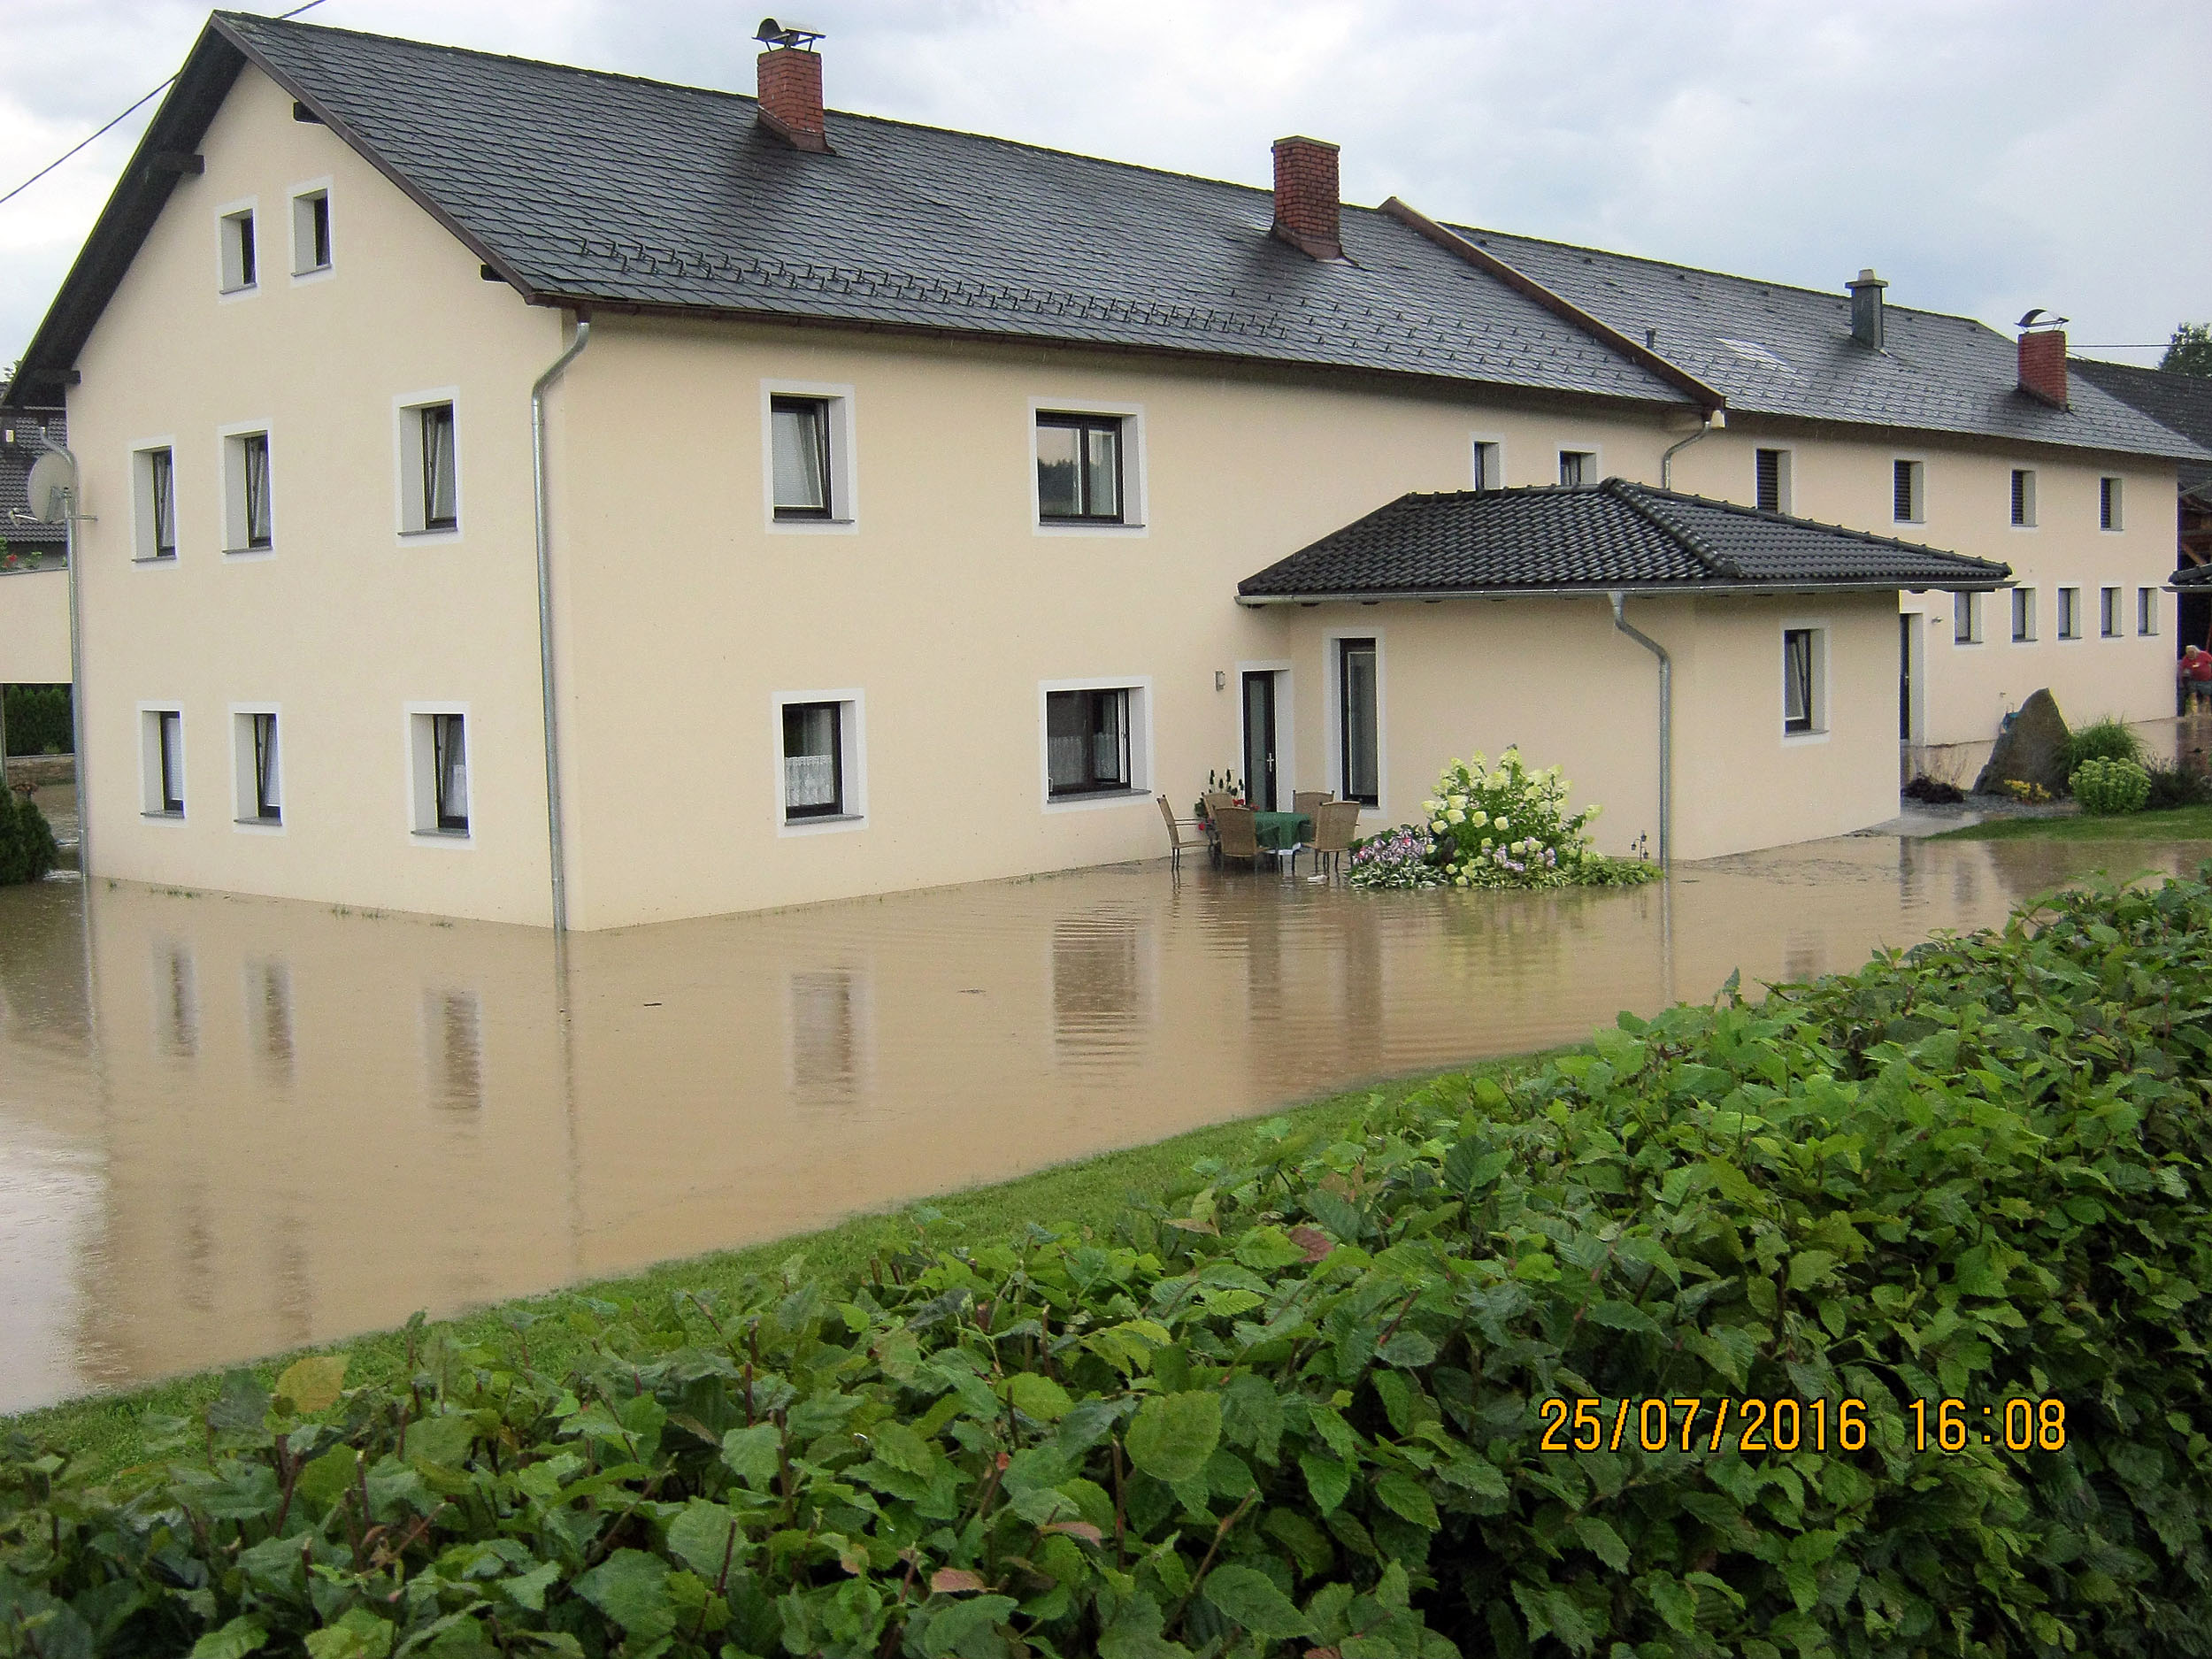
pixel 556 850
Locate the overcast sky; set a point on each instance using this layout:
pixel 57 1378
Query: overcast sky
pixel 1986 157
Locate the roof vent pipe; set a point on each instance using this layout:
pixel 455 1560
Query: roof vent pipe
pixel 789 83
pixel 1866 308
pixel 1307 213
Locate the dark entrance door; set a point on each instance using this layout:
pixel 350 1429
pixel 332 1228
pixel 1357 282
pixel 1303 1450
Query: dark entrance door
pixel 1259 741
pixel 1904 677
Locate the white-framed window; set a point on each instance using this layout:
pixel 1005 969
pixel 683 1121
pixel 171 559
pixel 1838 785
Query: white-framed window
pixel 2146 612
pixel 1908 490
pixel 809 475
pixel 249 491
pixel 427 436
pixel 238 262
pixel 1578 469
pixel 2023 619
pixel 310 230
pixel 1095 740
pixel 1354 688
pixel 2111 614
pixel 821 760
pixel 441 799
pixel 1489 458
pixel 1966 618
pixel 161 760
pixel 2069 613
pixel 256 767
pixel 1804 680
pixel 1771 479
pixel 154 501
pixel 1086 467
pixel 2108 503
pixel 2023 498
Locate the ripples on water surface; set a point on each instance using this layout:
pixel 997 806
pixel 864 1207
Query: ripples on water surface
pixel 255 1123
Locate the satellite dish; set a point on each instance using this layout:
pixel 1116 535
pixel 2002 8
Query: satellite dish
pixel 52 486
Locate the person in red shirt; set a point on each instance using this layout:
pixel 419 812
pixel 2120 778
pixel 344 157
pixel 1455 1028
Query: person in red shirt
pixel 2195 672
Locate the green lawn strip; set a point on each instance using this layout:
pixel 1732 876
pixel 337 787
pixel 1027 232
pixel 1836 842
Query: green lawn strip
pixel 2176 824
pixel 105 1433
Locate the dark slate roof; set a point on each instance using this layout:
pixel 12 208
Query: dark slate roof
pixel 1620 534
pixel 1782 351
pixel 2182 401
pixel 16 457
pixel 584 186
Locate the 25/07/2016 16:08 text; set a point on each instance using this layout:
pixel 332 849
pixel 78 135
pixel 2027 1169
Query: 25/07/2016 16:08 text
pixel 2019 1425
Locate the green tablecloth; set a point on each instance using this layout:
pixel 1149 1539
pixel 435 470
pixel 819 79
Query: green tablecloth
pixel 1280 832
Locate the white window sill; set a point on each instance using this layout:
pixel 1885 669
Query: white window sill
pixel 245 292
pixel 313 274
pixel 825 825
pixel 1096 798
pixel 163 817
pixel 443 837
pixel 442 533
pixel 157 559
pixel 259 826
pixel 248 554
pixel 1800 740
pixel 813 526
pixel 1072 526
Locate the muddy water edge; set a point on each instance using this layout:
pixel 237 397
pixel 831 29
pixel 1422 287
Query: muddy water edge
pixel 230 1126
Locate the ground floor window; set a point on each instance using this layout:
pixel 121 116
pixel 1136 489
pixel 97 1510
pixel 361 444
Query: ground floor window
pixel 2145 609
pixel 813 760
pixel 438 745
pixel 161 762
pixel 2069 613
pixel 2109 619
pixel 1086 742
pixel 2023 616
pixel 1966 618
pixel 1359 722
pixel 257 767
pixel 1803 673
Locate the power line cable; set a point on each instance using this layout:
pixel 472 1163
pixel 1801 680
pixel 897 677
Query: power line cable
pixel 120 119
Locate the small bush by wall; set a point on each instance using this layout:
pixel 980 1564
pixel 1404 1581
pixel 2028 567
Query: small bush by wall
pixel 38 719
pixel 2106 787
pixel 27 841
pixel 2101 739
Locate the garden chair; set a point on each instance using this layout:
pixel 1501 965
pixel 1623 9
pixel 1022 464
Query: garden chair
pixel 1334 822
pixel 1308 801
pixel 1233 827
pixel 1176 838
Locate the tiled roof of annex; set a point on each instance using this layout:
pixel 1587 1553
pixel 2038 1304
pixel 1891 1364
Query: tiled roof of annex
pixel 1620 534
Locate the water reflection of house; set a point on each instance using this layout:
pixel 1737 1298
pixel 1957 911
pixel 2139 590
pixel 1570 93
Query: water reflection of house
pixel 906 491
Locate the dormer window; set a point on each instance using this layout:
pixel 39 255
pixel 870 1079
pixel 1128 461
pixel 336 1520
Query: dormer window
pixel 237 229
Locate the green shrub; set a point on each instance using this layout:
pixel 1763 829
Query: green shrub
pixel 2177 785
pixel 1509 827
pixel 2105 787
pixel 1401 857
pixel 27 843
pixel 2107 738
pixel 1301 1401
pixel 38 719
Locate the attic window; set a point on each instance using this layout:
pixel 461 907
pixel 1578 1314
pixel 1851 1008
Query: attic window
pixel 1752 352
pixel 236 231
pixel 1771 479
pixel 1578 469
pixel 310 232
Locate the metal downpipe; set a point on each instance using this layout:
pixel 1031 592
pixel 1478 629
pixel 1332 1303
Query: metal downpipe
pixel 1666 726
pixel 557 852
pixel 1714 421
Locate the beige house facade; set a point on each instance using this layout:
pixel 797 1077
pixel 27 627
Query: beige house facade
pixel 817 620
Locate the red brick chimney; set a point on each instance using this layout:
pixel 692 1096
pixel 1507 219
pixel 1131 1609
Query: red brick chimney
pixel 1306 212
pixel 790 88
pixel 2043 364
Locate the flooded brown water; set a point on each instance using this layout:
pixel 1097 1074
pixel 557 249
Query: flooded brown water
pixel 229 1127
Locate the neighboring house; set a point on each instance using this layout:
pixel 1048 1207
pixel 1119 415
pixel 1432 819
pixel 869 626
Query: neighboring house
pixel 914 504
pixel 34 612
pixel 2182 401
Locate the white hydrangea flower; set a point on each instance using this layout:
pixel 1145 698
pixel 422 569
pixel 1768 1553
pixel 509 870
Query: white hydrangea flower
pixel 1454 816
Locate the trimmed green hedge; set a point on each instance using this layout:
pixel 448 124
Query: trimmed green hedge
pixel 1300 1402
pixel 38 720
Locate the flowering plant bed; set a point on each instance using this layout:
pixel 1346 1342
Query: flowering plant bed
pixel 1505 826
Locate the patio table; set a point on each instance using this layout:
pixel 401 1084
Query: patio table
pixel 1280 832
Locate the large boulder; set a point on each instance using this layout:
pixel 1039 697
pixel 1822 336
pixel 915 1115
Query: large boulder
pixel 2031 749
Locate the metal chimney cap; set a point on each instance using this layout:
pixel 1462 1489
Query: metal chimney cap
pixel 1867 280
pixel 772 33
